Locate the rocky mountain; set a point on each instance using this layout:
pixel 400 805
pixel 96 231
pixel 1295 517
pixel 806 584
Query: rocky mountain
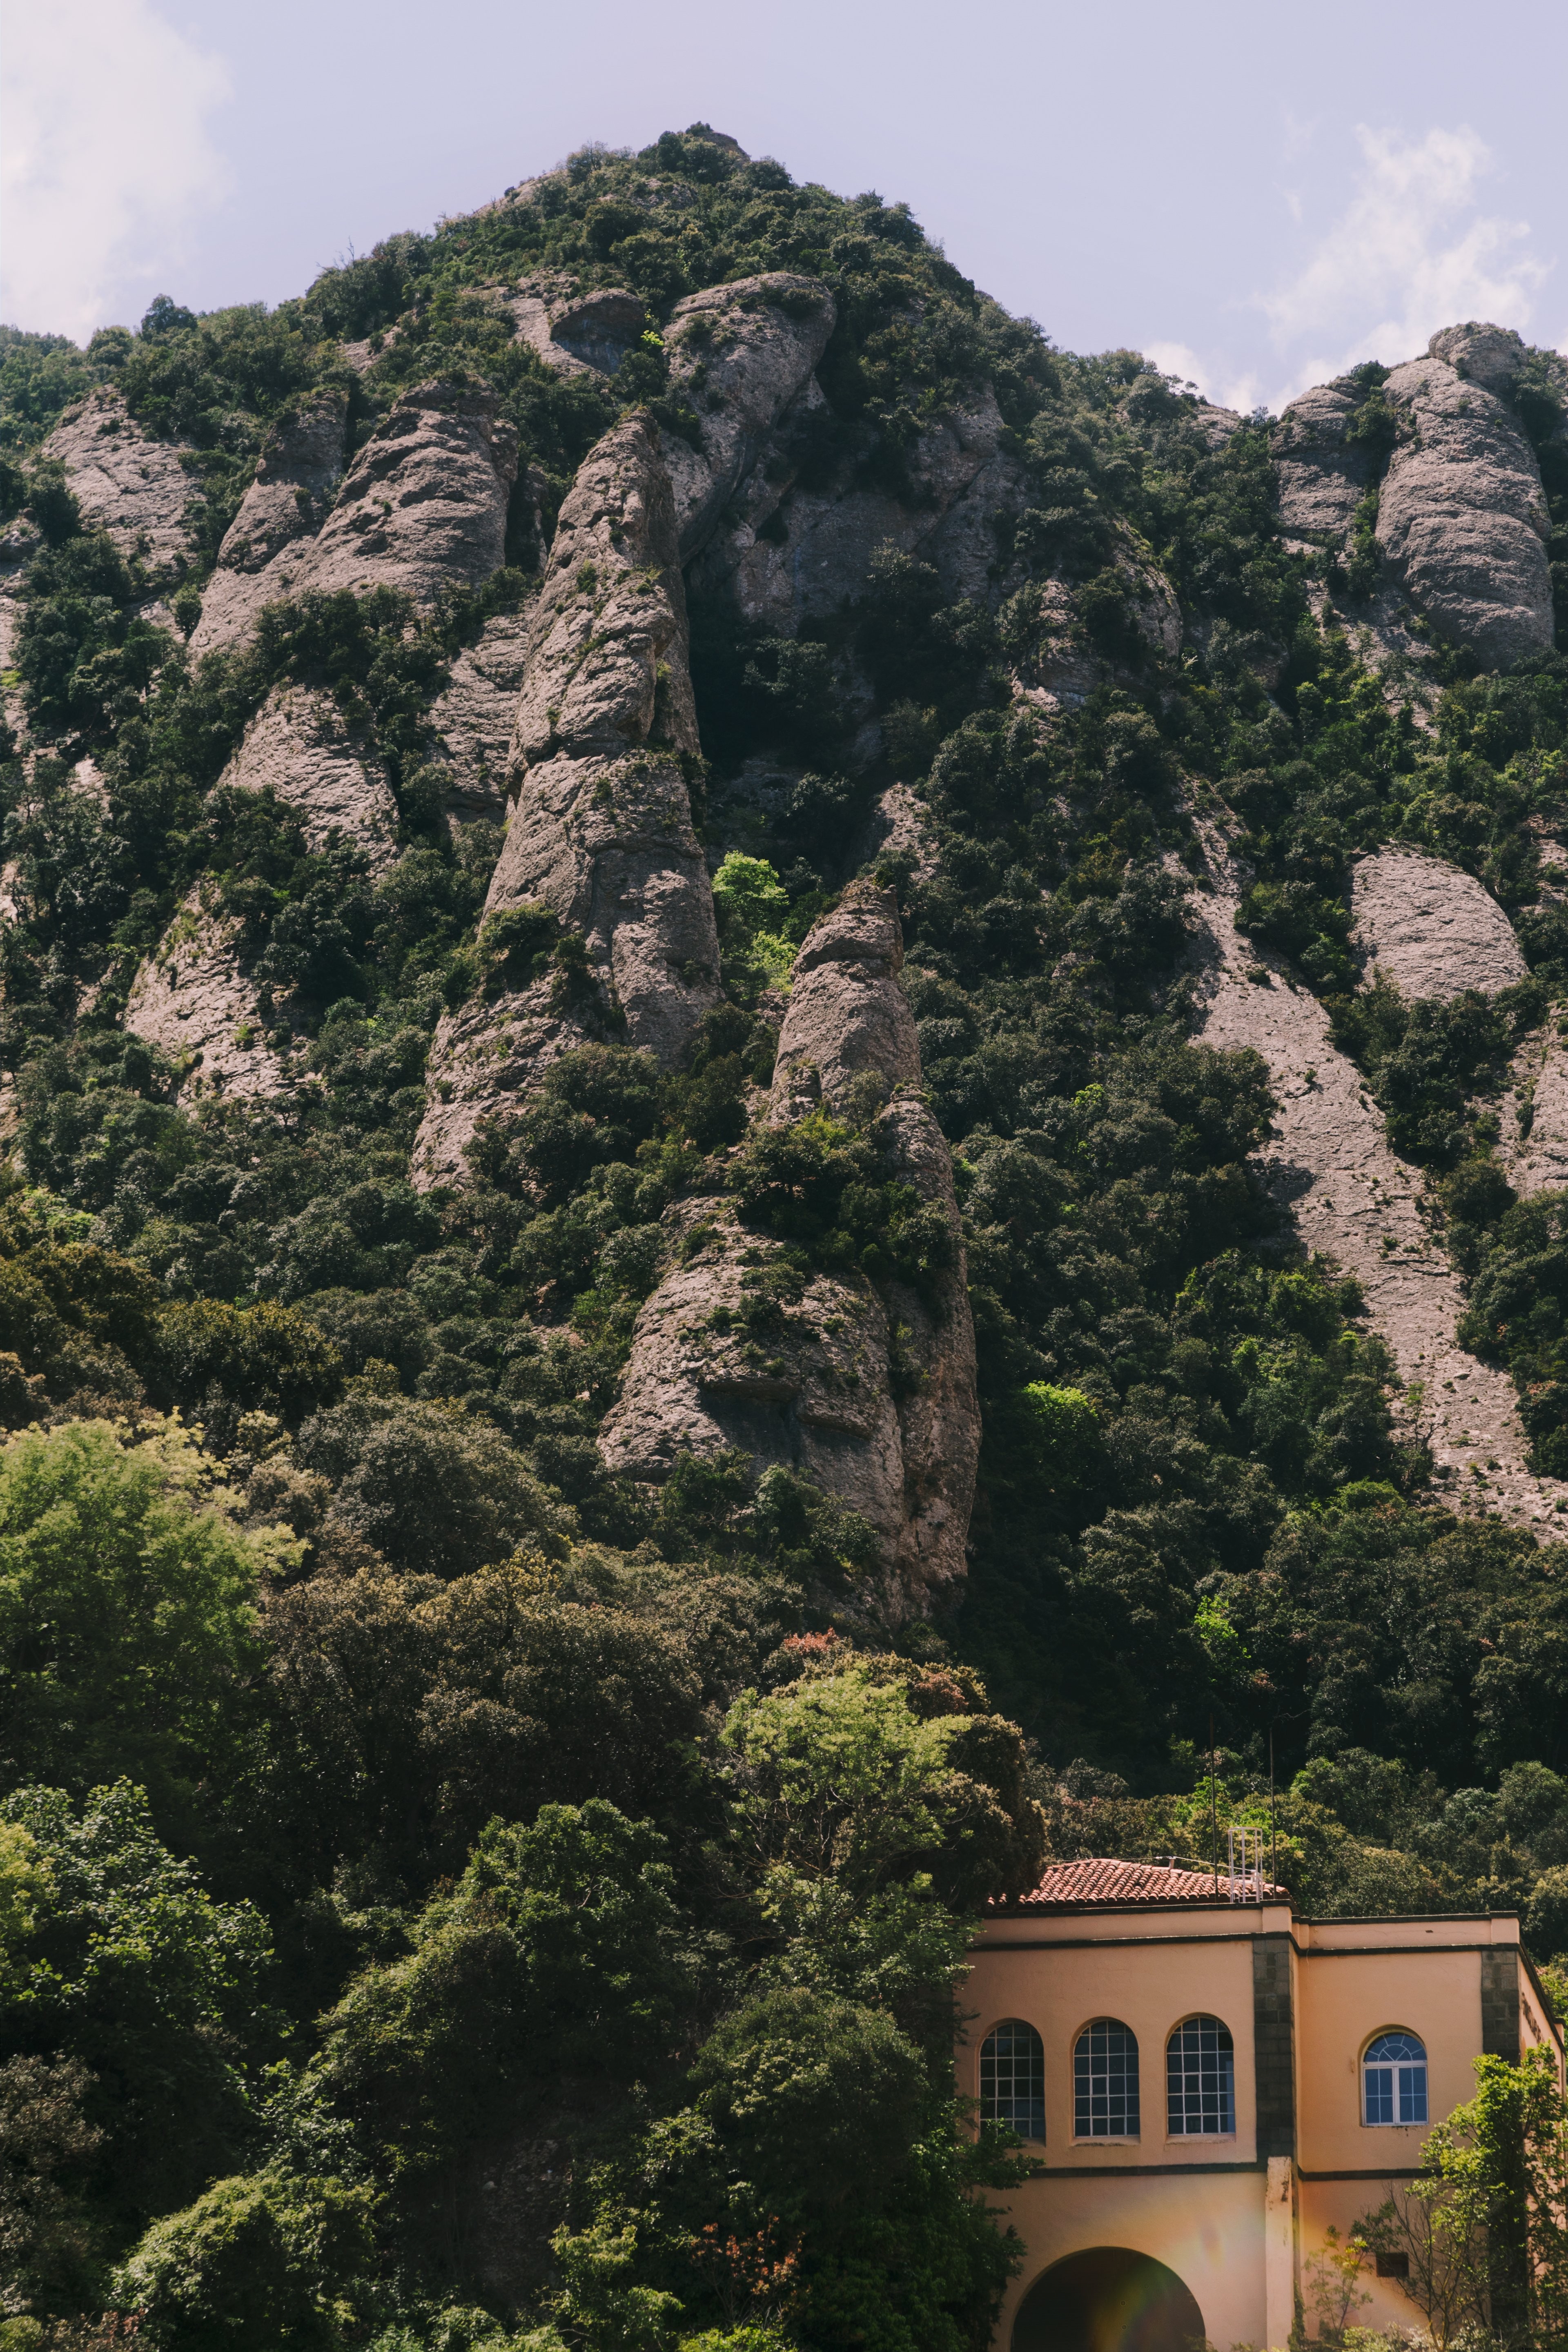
pixel 785 557
pixel 738 1014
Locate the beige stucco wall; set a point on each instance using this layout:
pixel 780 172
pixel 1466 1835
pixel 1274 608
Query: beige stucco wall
pixel 1345 1996
pixel 1064 1982
pixel 1234 2238
pixel 1206 2227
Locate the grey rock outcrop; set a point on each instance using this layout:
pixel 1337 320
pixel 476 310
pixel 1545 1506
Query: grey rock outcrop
pixel 194 1001
pixel 285 505
pixel 1322 476
pixel 847 1018
pixel 1329 1165
pixel 298 747
pixel 471 719
pixel 741 354
pixel 865 1388
pixel 578 333
pixel 423 506
pixel 125 482
pixel 1429 927
pixel 193 997
pixel 601 833
pixel 816 551
pixel 1462 520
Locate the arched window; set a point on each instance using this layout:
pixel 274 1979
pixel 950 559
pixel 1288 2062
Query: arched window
pixel 1393 2081
pixel 1200 2078
pixel 1013 2079
pixel 1105 2082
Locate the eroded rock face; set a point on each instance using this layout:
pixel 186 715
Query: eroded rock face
pixel 601 833
pixel 577 333
pixel 285 505
pixel 125 482
pixel 1430 927
pixel 742 355
pixel 1329 1164
pixel 471 721
pixel 847 1018
pixel 1322 476
pixel 1462 520
pixel 422 507
pixel 194 1001
pixel 865 1388
pixel 819 542
pixel 298 747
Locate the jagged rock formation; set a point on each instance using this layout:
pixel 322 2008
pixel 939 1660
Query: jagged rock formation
pixel 124 482
pixel 471 721
pixel 300 747
pixel 1322 476
pixel 847 1017
pixel 286 504
pixel 1353 1200
pixel 744 354
pixel 1462 518
pixel 601 834
pixel 1532 1143
pixel 819 541
pixel 1061 668
pixel 1429 927
pixel 193 997
pixel 422 507
pixel 577 333
pixel 868 1389
pixel 1462 522
pixel 193 1000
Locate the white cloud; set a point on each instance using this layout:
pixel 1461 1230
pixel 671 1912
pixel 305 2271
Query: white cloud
pixel 1411 253
pixel 1218 380
pixel 106 159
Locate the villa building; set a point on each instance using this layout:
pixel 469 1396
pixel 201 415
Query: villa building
pixel 1208 2081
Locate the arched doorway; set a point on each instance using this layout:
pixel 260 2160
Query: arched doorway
pixel 1107 2299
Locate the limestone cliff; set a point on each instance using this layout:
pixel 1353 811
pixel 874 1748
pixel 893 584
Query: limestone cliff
pixel 423 506
pixel 265 546
pixel 193 997
pixel 744 354
pixel 601 835
pixel 1349 1196
pixel 1461 519
pixel 126 482
pixel 865 1387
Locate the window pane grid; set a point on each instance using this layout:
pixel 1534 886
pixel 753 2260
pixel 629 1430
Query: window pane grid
pixel 1200 2078
pixel 1394 2078
pixel 1105 2082
pixel 1013 2079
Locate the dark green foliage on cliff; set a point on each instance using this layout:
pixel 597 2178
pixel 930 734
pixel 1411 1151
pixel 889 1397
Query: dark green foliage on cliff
pixel 451 1896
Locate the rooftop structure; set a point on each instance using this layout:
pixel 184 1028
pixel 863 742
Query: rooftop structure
pixel 1209 2080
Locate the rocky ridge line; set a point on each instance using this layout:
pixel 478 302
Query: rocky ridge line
pixel 1350 1199
pixel 421 508
pixel 601 838
pixel 261 555
pixel 867 1387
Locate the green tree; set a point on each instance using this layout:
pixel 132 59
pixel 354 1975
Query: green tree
pixel 128 1622
pixel 132 1973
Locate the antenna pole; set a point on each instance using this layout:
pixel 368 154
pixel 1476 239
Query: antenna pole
pixel 1273 1832
pixel 1213 1812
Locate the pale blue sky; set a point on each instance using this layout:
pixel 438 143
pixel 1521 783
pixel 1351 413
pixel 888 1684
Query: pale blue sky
pixel 1256 195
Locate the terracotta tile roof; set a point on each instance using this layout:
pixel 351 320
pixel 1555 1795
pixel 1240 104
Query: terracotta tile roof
pixel 1106 1880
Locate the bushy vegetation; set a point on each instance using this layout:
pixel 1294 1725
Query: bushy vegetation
pixel 541 1901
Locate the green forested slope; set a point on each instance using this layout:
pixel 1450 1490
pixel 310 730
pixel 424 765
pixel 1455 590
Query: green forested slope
pixel 448 1892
